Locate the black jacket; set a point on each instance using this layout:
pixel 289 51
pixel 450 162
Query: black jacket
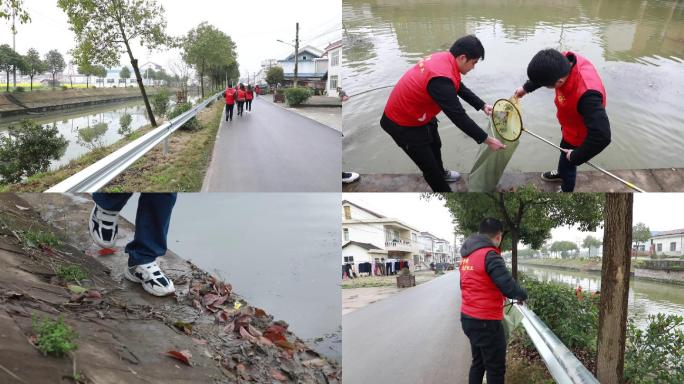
pixel 495 267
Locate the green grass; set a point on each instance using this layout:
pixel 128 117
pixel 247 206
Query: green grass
pixel 40 239
pixel 384 281
pixel 71 273
pixel 39 87
pixel 54 337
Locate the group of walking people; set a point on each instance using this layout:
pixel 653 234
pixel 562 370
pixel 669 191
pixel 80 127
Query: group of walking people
pixel 242 96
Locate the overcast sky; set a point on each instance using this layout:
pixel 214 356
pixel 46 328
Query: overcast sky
pixel 254 25
pixel 659 212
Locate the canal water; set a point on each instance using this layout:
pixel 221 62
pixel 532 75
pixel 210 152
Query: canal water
pixel 279 251
pixel 645 297
pixel 94 127
pixel 636 46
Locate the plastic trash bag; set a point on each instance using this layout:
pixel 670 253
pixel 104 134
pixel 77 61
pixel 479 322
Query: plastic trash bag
pixel 512 319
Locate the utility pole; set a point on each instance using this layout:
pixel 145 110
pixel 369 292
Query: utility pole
pixel 296 57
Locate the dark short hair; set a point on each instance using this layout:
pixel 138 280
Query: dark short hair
pixel 547 67
pixel 490 227
pixel 470 46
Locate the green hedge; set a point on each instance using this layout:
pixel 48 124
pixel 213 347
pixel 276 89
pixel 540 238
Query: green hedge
pixel 296 96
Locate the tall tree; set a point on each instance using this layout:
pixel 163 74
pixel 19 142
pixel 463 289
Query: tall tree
pixel 105 28
pixel 34 64
pixel 101 72
pixel 275 75
pixel 54 62
pixel 527 215
pixel 10 8
pixel 591 242
pixel 640 233
pixel 206 47
pixel 125 73
pixel 8 60
pixel 614 288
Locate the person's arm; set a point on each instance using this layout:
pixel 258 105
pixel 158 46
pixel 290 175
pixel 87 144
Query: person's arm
pixel 443 92
pixel 470 97
pixel 593 113
pixel 497 271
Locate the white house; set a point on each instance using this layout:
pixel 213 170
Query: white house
pixel 669 243
pixel 334 53
pixel 376 237
pixel 312 67
pixel 426 246
pixel 267 64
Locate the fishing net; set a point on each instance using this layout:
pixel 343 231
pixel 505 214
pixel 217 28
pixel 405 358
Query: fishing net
pixel 512 319
pixel 505 125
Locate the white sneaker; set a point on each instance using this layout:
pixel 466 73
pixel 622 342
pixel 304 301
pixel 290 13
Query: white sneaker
pixel 350 177
pixel 151 277
pixel 103 226
pixel 452 176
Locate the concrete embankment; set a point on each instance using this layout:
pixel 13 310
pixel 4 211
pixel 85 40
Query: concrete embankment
pixel 27 103
pixel 651 180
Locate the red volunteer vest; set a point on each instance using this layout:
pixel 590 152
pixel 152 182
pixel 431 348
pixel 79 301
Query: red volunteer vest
pixel 583 77
pixel 241 95
pixel 409 104
pixel 230 96
pixel 480 298
pixel 250 95
pixel 257 89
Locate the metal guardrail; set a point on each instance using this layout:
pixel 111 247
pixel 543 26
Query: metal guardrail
pixel 96 176
pixel 561 362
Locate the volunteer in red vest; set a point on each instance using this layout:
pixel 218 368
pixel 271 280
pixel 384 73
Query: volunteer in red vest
pixel 431 86
pixel 241 98
pixel 485 282
pixel 257 90
pixel 229 95
pixel 581 103
pixel 249 98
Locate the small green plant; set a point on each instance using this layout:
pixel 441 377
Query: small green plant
pixel 64 87
pixel 54 337
pixel 40 239
pixel 125 124
pixel 160 102
pixel 296 96
pixel 19 90
pixel 180 109
pixel 71 273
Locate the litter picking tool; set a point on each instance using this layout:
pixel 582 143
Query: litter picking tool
pixel 508 123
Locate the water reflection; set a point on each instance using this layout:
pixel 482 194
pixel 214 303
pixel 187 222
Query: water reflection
pixel 645 298
pixel 637 47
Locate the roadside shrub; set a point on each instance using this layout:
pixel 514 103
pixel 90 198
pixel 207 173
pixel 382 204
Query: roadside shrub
pixel 296 96
pixel 160 102
pixel 54 337
pixel 654 354
pixel 28 149
pixel 125 124
pixel 91 137
pixel 64 87
pixel 19 90
pixel 180 109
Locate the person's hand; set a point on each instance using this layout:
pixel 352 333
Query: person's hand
pixel 520 92
pixel 568 152
pixel 487 109
pixel 494 144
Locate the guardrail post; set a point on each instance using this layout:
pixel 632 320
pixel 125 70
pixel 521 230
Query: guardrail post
pixel 166 146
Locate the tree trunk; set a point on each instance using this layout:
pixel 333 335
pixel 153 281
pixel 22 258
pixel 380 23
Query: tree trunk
pixel 617 240
pixel 31 83
pixel 202 80
pixel 7 82
pixel 514 254
pixel 53 81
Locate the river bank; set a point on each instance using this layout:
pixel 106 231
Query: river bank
pixel 25 104
pixel 111 316
pixel 594 266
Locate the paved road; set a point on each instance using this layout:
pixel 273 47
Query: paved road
pixel 412 337
pixel 274 150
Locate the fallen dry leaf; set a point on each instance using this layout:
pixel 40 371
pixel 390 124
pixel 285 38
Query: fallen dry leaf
pixel 94 295
pixel 77 289
pixel 183 326
pixel 106 251
pixel 278 375
pixel 259 313
pixel 183 356
pixel 19 207
pixel 245 335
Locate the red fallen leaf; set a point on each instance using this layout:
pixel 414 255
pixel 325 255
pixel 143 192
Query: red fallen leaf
pixel 94 295
pixel 275 333
pixel 209 299
pixel 106 251
pixel 285 344
pixel 243 320
pixel 245 335
pixel 183 356
pixel 259 313
pixel 254 331
pixel 223 317
pixel 224 289
pixel 276 374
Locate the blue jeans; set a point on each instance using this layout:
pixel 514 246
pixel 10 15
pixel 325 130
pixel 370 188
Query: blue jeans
pixel 567 171
pixel 151 223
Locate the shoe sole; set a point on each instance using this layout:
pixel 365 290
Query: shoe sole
pixel 552 180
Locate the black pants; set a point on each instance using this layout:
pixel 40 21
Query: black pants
pixel 249 105
pixel 241 107
pixel 229 111
pixel 567 171
pixel 424 147
pixel 488 347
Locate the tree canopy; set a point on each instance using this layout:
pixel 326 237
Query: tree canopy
pixel 210 51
